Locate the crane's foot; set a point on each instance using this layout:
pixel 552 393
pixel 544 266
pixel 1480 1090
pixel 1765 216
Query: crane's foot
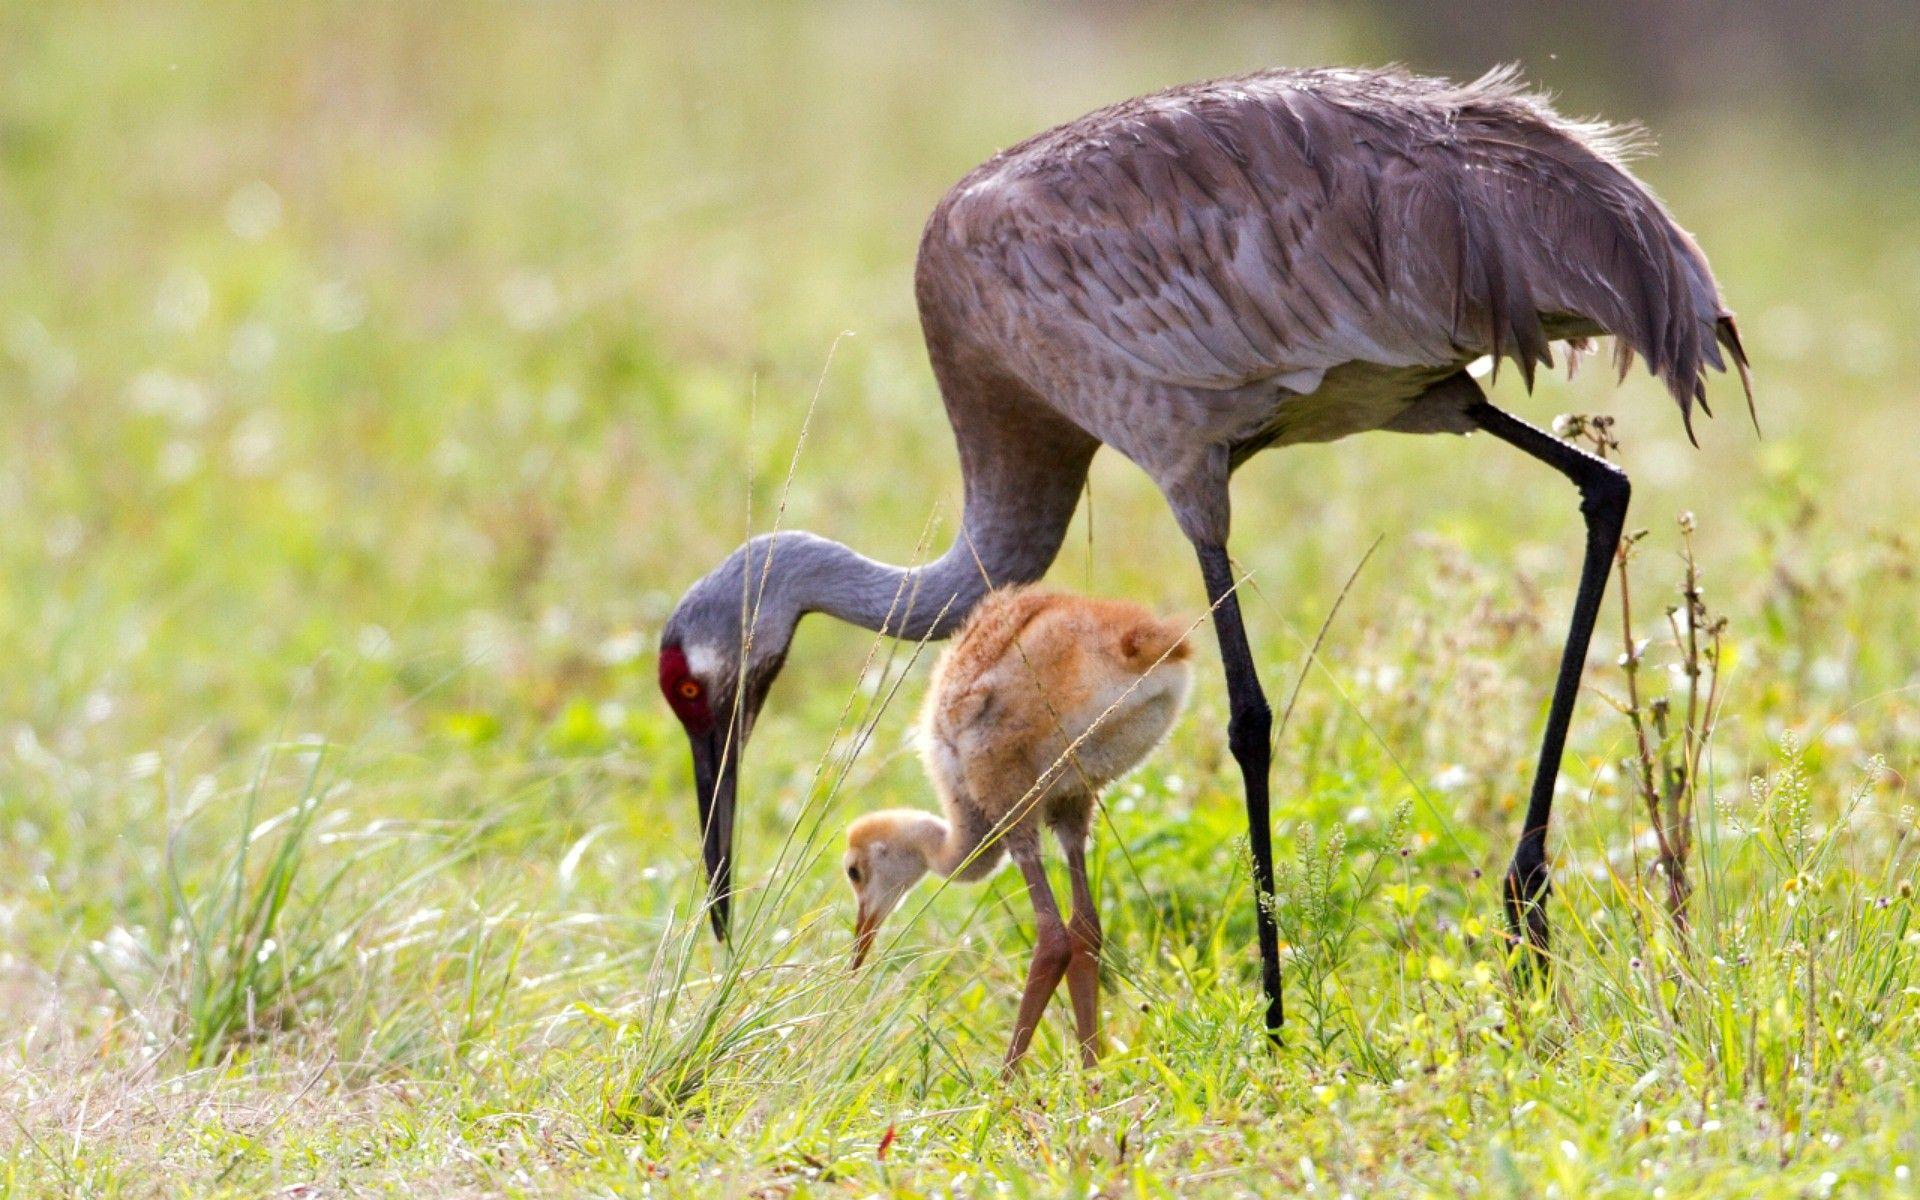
pixel 1525 898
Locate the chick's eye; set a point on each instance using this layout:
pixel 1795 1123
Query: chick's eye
pixel 853 873
pixel 689 690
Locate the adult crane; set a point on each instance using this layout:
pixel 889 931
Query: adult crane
pixel 1196 275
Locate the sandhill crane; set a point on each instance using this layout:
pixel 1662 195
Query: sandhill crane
pixel 1196 275
pixel 1042 700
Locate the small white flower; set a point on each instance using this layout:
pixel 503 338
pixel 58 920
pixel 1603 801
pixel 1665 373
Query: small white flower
pixel 622 648
pixel 183 301
pixel 253 211
pixel 337 307
pixel 374 643
pixel 529 301
pixel 252 346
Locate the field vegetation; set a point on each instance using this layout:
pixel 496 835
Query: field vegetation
pixel 373 379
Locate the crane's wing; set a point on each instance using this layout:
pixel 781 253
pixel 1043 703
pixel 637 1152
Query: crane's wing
pixel 1273 227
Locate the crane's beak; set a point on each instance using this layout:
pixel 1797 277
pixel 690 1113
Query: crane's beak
pixel 715 770
pixel 865 927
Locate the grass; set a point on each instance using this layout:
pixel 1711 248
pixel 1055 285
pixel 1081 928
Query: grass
pixel 371 382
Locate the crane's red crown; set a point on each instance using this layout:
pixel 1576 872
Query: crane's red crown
pixel 685 694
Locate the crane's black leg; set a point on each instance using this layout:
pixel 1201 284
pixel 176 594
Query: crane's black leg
pixel 1249 730
pixel 1604 492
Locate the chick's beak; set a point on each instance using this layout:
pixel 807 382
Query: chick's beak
pixel 866 925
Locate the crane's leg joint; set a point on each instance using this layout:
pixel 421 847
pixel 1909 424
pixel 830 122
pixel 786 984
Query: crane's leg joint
pixel 1250 734
pixel 1605 489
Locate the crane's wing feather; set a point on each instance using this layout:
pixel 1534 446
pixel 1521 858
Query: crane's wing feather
pixel 1273 227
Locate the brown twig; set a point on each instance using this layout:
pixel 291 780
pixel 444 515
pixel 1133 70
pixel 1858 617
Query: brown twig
pixel 1666 765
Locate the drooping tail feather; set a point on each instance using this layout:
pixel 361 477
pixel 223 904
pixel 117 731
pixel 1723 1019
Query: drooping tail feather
pixel 1728 335
pixel 1561 228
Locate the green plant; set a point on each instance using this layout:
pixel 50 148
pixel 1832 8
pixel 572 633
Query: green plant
pixel 258 935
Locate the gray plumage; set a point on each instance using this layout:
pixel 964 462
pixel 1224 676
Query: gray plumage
pixel 1268 239
pixel 1196 275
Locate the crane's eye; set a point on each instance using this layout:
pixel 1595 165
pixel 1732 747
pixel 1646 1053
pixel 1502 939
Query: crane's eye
pixel 689 689
pixel 853 874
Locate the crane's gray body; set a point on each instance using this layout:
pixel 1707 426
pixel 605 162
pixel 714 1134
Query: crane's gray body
pixel 1195 275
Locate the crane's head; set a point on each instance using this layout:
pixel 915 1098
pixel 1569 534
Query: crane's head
pixel 719 654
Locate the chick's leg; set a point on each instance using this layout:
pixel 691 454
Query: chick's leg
pixel 1083 936
pixel 1051 949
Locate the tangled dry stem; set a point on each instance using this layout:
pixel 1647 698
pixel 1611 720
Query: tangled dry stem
pixel 1667 762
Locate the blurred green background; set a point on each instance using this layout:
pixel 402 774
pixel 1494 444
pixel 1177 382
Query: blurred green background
pixel 380 374
pixel 463 333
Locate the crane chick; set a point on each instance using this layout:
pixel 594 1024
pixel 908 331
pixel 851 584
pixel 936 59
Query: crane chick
pixel 1041 701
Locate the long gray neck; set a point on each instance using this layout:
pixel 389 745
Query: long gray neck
pixel 902 602
pixel 1005 538
pixel 1023 477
